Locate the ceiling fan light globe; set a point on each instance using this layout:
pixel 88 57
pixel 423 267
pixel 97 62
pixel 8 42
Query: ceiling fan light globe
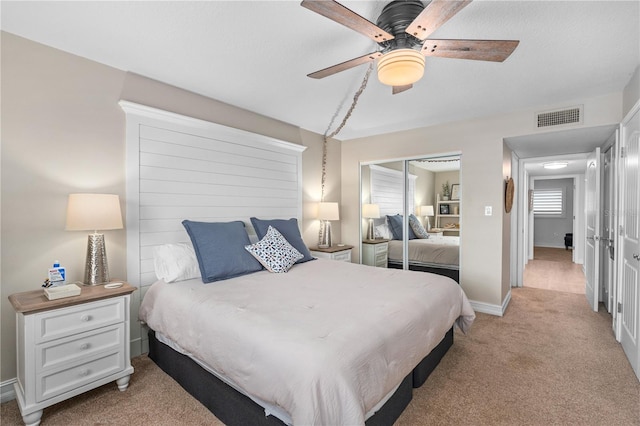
pixel 401 67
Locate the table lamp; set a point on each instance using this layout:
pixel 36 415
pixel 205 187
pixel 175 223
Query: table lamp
pixel 86 212
pixel 326 213
pixel 370 211
pixel 427 211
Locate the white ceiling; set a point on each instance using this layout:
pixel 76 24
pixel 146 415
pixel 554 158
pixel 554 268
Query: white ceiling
pixel 256 54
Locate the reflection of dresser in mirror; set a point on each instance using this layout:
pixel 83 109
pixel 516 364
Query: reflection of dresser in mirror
pixel 447 216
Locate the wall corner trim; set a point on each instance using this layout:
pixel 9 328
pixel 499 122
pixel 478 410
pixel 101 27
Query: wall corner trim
pixel 488 308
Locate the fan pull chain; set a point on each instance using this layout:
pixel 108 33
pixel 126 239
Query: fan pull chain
pixel 363 85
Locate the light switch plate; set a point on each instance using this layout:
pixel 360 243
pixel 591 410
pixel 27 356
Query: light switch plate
pixel 487 210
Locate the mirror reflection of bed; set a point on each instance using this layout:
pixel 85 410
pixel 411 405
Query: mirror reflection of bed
pixel 427 192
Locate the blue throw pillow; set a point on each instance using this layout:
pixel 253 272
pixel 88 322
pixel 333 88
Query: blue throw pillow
pixel 395 223
pixel 219 247
pixel 289 230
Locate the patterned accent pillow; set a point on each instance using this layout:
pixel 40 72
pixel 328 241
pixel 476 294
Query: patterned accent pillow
pixel 417 227
pixel 274 252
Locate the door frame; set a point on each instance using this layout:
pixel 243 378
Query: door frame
pixel 525 217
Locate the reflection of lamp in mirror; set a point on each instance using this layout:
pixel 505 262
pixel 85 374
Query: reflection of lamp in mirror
pixel 93 212
pixel 427 211
pixel 326 213
pixel 370 211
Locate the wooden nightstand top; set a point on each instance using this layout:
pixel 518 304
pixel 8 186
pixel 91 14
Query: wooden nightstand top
pixel 376 241
pixel 36 301
pixel 332 249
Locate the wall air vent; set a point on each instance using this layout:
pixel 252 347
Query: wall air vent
pixel 559 117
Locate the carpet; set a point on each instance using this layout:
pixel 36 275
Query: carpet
pixel 549 361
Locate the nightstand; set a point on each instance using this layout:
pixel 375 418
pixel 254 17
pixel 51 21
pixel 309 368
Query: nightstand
pixel 433 233
pixel 375 252
pixel 71 345
pixel 341 253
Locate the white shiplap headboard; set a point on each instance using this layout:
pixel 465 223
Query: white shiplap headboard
pixel 387 190
pixel 180 168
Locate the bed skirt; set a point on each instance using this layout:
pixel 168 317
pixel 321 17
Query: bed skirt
pixel 454 274
pixel 235 409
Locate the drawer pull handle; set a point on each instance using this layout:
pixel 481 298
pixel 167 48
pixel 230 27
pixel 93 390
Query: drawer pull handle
pixel 86 318
pixel 84 373
pixel 84 346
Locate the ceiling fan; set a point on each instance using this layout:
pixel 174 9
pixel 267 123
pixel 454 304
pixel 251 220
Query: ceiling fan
pixel 402 32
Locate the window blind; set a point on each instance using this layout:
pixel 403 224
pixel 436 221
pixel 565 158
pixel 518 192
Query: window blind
pixel 548 202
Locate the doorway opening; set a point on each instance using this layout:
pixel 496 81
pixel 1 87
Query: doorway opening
pixel 552 264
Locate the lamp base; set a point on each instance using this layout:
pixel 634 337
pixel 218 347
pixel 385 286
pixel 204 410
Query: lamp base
pixel 325 241
pixel 96 270
pixel 370 234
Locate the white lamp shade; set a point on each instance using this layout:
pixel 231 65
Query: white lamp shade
pixel 426 211
pixel 401 67
pixel 370 211
pixel 86 212
pixel 328 211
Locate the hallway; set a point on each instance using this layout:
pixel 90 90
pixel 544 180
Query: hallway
pixel 552 269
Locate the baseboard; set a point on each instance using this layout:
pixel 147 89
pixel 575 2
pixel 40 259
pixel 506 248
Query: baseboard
pixel 135 346
pixel 7 393
pixel 550 246
pixel 488 308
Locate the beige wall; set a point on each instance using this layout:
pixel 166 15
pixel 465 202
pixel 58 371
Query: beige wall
pixel 480 142
pixel 63 132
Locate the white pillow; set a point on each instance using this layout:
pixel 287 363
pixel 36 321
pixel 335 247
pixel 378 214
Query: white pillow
pixel 383 231
pixel 175 262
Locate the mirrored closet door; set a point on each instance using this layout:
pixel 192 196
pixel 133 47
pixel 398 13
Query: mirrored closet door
pixel 411 211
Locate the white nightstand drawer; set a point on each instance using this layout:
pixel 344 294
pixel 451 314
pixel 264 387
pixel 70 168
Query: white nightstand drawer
pixel 76 319
pixel 381 248
pixel 340 253
pixel 344 256
pixel 375 253
pixel 52 384
pixel 72 349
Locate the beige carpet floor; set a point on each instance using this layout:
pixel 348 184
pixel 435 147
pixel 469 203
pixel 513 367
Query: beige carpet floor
pixel 553 269
pixel 549 361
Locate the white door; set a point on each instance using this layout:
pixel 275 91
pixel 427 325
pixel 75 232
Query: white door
pixel 629 294
pixel 592 254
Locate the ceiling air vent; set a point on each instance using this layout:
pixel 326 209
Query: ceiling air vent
pixel 559 117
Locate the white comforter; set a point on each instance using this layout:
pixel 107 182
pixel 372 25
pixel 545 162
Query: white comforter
pixel 325 341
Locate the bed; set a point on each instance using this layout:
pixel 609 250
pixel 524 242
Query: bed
pixel 436 254
pixel 327 343
pixel 179 167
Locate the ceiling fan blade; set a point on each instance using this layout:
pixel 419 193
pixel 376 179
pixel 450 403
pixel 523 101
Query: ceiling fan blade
pixel 337 12
pixel 433 16
pixel 479 50
pixel 345 65
pixel 400 89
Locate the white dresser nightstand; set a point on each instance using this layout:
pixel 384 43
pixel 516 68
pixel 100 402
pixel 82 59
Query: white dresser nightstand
pixel 433 233
pixel 68 346
pixel 375 252
pixel 340 253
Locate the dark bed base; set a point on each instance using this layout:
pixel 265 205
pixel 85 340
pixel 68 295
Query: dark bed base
pixel 233 408
pixel 454 274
